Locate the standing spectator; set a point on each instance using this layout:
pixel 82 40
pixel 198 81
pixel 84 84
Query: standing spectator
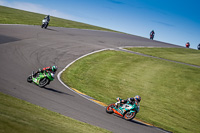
pixel 152 33
pixel 187 45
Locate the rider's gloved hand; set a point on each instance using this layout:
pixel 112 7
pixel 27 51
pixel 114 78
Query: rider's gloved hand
pixel 40 70
pixel 118 99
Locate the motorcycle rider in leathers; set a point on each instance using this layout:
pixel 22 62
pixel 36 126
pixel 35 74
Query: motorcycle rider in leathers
pixel 50 69
pixel 187 45
pixel 152 33
pixel 47 18
pixel 133 100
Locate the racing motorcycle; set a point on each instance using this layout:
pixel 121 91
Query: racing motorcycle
pixel 127 111
pixel 45 23
pixel 41 79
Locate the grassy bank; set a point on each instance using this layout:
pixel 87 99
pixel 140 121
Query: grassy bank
pixel 15 16
pixel 185 55
pixel 170 91
pixel 17 116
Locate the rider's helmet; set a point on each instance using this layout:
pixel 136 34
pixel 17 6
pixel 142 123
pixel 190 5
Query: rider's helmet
pixel 54 68
pixel 138 98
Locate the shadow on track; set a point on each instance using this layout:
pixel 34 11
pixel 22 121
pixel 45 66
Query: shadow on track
pixel 132 121
pixel 7 39
pixel 137 122
pixel 56 91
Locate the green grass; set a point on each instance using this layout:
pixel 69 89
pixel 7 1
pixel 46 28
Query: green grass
pixel 18 116
pixel 185 55
pixel 170 91
pixel 15 16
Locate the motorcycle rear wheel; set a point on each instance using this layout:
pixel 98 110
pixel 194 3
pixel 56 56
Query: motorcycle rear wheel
pixel 109 109
pixel 129 115
pixel 43 82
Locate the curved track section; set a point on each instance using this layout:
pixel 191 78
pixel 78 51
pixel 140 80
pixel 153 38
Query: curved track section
pixel 26 48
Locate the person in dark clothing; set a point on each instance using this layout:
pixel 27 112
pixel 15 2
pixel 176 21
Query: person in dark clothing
pixel 47 18
pixel 152 33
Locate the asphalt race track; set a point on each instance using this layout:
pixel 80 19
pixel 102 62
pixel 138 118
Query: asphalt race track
pixel 26 48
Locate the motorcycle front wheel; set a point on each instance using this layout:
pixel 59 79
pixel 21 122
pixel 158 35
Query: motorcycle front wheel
pixel 29 79
pixel 109 108
pixel 42 26
pixel 129 115
pixel 43 82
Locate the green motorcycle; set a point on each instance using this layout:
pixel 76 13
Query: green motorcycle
pixel 127 111
pixel 42 79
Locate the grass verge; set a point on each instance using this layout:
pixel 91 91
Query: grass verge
pixel 18 116
pixel 170 91
pixel 190 56
pixel 15 16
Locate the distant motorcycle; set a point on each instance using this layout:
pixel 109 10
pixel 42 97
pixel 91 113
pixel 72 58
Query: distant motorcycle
pixel 198 47
pixel 127 111
pixel 42 79
pixel 45 23
pixel 187 45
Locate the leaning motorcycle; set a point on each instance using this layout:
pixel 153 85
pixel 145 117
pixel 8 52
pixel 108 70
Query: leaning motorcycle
pixel 42 79
pixel 127 111
pixel 45 23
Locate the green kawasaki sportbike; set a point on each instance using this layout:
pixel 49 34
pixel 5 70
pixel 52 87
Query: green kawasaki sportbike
pixel 41 79
pixel 128 111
